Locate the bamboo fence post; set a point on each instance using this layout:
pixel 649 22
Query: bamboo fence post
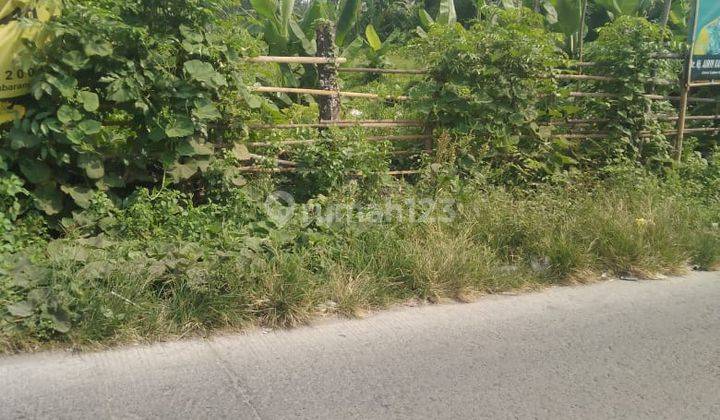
pixel 581 31
pixel 328 73
pixel 687 80
pixel 428 133
pixel 667 6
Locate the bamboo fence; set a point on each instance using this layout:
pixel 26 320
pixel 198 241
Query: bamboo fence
pixel 574 125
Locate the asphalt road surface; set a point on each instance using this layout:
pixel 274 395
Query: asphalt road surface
pixel 618 349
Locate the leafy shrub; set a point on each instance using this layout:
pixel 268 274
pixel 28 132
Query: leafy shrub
pixel 332 161
pixel 489 87
pixel 128 93
pixel 627 49
pixel 19 226
pixel 169 267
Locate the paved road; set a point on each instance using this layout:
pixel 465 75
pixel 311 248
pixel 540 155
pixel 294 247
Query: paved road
pixel 618 349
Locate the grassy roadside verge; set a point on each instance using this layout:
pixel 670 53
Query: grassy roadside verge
pixel 170 269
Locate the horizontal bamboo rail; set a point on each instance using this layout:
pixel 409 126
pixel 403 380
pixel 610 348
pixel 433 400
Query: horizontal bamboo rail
pixel 343 124
pixel 380 71
pixel 321 92
pixel 582 121
pixel 582 64
pixel 585 77
pixel 313 141
pixel 281 143
pixel 665 118
pixel 593 135
pixel 414 123
pixel 694 130
pixel 401 173
pixel 277 161
pixel 261 170
pixel 707 83
pixel 297 60
pixel 592 95
pixel 597 134
pixel 654 57
pixel 400 138
pixel 401 153
pixel 697 118
pixel 649 96
pixel 420 72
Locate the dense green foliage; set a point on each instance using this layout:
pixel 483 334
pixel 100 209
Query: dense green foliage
pixel 625 49
pixel 172 268
pixel 489 86
pixel 492 88
pixel 131 207
pixel 130 93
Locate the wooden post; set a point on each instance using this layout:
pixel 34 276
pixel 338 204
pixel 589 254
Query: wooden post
pixel 681 119
pixel 687 81
pixel 667 6
pixel 428 131
pixel 327 73
pixel 581 31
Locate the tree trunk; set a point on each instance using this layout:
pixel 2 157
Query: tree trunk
pixel 327 73
pixel 581 31
pixel 666 13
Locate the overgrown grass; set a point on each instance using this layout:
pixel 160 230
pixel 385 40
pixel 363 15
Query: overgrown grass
pixel 171 280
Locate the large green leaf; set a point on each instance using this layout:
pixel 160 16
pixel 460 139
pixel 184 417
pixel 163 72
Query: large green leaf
pixel 22 309
pixel 205 110
pixel 346 22
pixel 67 114
pixel 309 46
pixel 265 8
pixel 373 38
pixel 569 15
pixel 90 127
pixel 204 72
pixel 20 139
pixel 425 19
pixel 181 127
pixel 48 199
pixel 193 147
pixel 447 14
pixel 92 164
pixel 316 10
pixel 35 171
pixel 182 171
pixel 65 85
pixel 286 10
pixel 98 47
pixel 624 7
pixel 81 195
pixel 89 100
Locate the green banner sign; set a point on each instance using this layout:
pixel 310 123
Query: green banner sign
pixel 705 40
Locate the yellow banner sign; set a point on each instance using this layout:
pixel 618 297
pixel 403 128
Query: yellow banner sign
pixel 15 80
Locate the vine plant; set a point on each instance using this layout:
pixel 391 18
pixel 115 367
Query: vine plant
pixel 127 93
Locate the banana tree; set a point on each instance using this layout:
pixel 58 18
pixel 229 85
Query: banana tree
pixel 289 35
pixel 372 50
pixel 446 15
pixel 570 20
pixel 626 7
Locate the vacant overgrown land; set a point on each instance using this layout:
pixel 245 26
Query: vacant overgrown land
pixel 185 167
pixel 175 269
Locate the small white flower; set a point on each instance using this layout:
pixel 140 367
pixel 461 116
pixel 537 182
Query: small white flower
pixel 356 113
